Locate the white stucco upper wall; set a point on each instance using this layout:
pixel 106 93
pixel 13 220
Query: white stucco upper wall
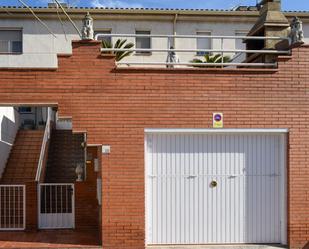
pixel 40 48
pixel 9 124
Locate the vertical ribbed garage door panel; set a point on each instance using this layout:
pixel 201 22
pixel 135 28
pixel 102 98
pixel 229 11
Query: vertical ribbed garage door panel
pixel 182 207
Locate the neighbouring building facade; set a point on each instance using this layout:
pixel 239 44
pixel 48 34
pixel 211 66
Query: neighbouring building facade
pixel 148 157
pixel 37 48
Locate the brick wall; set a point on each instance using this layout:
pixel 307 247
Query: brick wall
pixel 115 105
pixel 31 206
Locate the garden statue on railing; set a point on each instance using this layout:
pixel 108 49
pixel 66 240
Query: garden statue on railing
pixel 87 29
pixel 297 33
pixel 171 58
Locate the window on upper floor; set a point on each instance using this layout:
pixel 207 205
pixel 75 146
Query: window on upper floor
pixel 203 42
pixel 240 45
pixel 11 41
pixel 143 42
pixel 104 32
pixel 239 42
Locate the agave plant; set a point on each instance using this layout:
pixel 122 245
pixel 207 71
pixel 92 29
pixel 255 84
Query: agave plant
pixel 120 44
pixel 216 58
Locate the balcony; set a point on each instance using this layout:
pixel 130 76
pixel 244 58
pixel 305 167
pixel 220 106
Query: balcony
pixel 180 51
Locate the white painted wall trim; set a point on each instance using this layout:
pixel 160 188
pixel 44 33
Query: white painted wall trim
pixel 151 130
pixel 146 188
pixel 283 191
pixel 63 123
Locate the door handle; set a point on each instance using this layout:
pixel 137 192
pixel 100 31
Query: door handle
pixel 192 176
pixel 274 175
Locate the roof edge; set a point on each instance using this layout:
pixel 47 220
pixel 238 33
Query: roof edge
pixel 138 10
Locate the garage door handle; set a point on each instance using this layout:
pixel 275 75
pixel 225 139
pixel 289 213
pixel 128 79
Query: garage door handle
pixel 273 175
pixel 192 176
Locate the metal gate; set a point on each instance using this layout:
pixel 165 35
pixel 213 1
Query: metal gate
pixel 56 206
pixel 12 207
pixel 215 188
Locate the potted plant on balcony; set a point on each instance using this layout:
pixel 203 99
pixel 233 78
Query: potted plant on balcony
pixel 119 44
pixel 208 59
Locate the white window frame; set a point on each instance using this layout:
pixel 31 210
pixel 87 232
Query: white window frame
pixel 10 42
pixel 98 31
pixel 200 53
pixel 141 53
pixel 240 33
pixel 240 56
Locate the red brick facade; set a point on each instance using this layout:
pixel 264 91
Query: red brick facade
pixel 115 105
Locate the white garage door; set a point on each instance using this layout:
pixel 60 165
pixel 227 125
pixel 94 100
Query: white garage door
pixel 215 188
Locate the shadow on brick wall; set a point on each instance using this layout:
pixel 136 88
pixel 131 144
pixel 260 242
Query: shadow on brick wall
pixel 306 246
pixel 8 128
